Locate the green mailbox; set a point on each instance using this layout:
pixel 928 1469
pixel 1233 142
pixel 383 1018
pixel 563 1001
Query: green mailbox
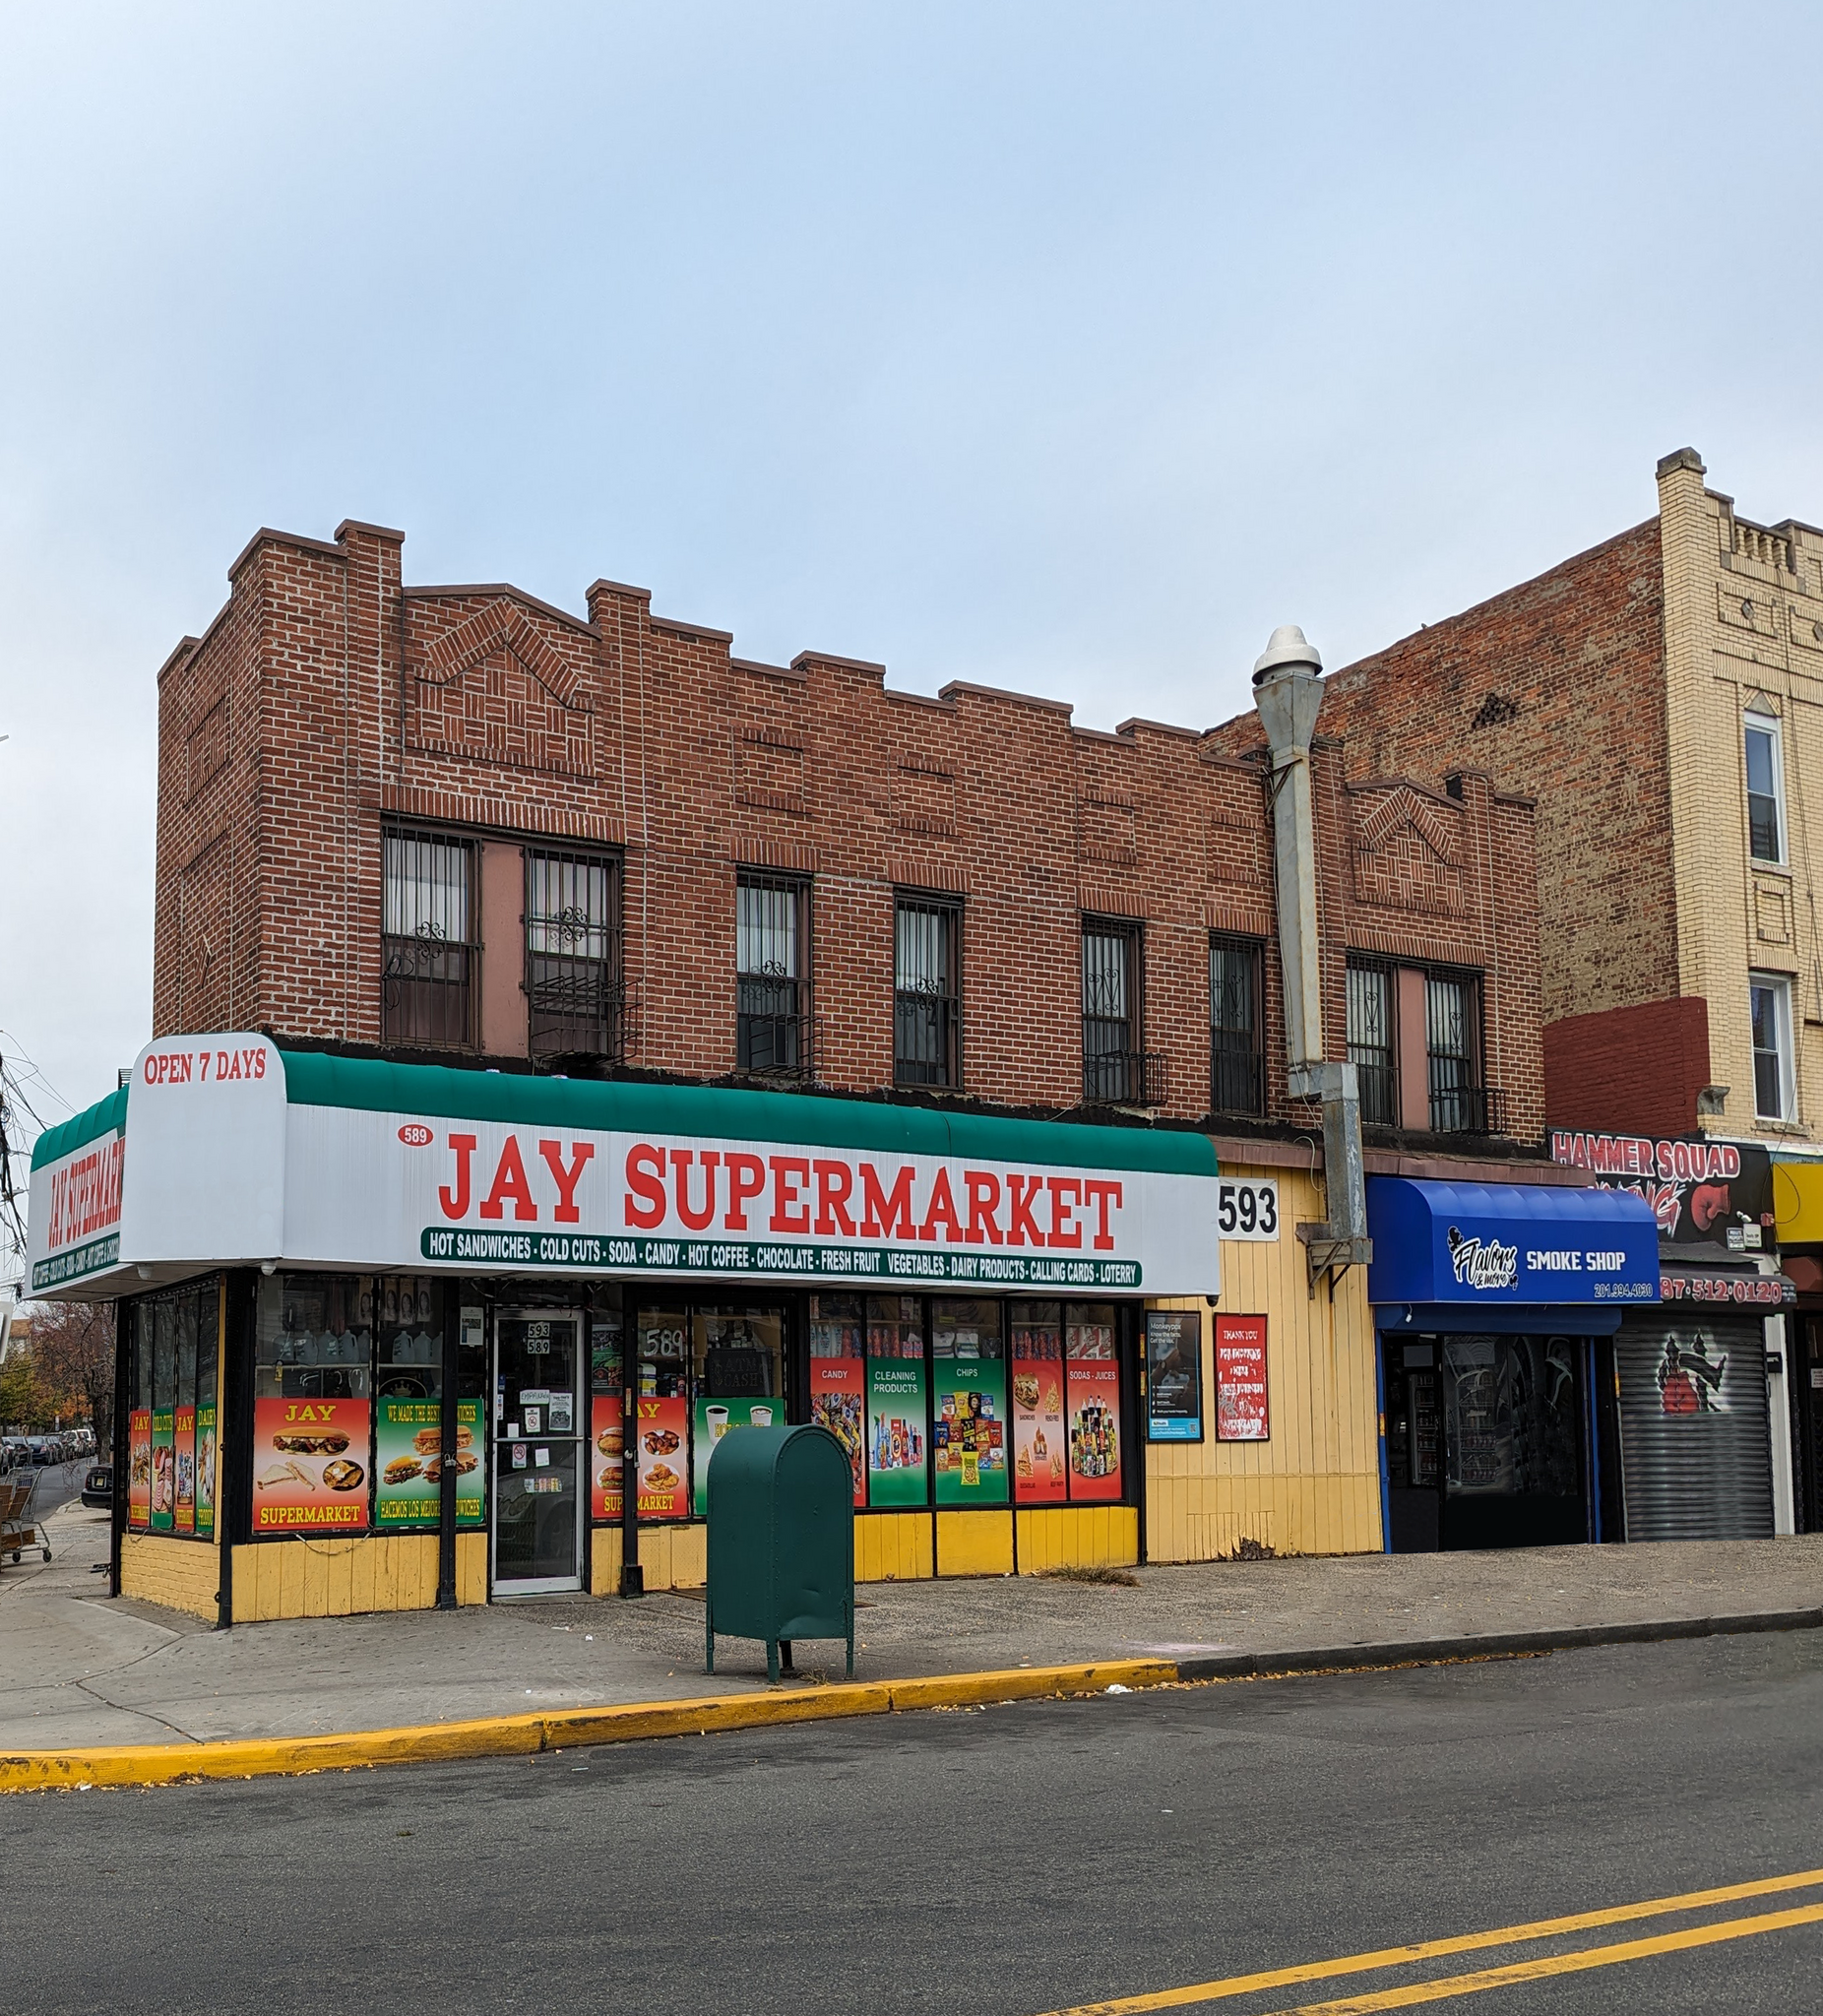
pixel 780 1540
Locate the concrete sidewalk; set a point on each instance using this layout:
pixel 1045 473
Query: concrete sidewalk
pixel 79 1670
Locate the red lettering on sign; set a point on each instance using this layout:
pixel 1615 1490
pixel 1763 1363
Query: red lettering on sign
pixel 789 1173
pixel 887 1213
pixel 510 1181
pixel 645 1187
pixel 942 1211
pixel 454 1202
pixel 1102 1194
pixel 983 1192
pixel 681 1159
pixel 1064 1230
pixel 1022 1193
pixel 835 1180
pixel 567 1178
pixel 746 1180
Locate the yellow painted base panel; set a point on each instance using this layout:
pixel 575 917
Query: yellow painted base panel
pixel 1206 1518
pixel 605 1560
pixel 893 1547
pixel 181 1574
pixel 1077 1537
pixel 341 1578
pixel 674 1556
pixel 974 1542
pixel 471 1568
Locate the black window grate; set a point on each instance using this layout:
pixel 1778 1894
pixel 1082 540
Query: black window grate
pixel 427 946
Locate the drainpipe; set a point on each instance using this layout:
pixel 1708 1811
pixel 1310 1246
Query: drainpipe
pixel 1288 689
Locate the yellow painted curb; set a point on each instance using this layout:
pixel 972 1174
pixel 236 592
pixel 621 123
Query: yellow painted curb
pixel 510 1735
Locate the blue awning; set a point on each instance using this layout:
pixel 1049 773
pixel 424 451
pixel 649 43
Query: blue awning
pixel 1468 1247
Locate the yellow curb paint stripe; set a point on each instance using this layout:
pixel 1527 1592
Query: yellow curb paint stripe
pixel 1581 1962
pixel 141 1764
pixel 1436 1949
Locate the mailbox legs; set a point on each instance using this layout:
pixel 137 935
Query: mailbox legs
pixel 772 1660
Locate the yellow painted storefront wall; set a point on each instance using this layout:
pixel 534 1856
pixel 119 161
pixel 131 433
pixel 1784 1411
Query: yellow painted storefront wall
pixel 1077 1537
pixel 337 1578
pixel 181 1574
pixel 1313 1487
pixel 893 1546
pixel 974 1542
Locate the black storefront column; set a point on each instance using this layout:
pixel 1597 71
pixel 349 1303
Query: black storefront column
pixel 125 1321
pixel 234 1505
pixel 448 1473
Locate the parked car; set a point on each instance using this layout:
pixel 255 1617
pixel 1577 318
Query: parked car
pixel 98 1487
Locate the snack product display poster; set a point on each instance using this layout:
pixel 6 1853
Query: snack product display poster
pixel 1040 1444
pixel 1092 1392
pixel 896 1428
pixel 663 1457
pixel 967 1437
pixel 713 1419
pixel 163 1469
pixel 1241 1380
pixel 838 1403
pixel 311 1462
pixel 206 1470
pixel 607 1494
pixel 184 1442
pixel 408 1487
pixel 139 1466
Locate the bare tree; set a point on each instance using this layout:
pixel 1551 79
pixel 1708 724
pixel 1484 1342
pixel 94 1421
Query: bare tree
pixel 73 1355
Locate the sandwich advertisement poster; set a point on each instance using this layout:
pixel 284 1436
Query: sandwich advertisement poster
pixel 310 1465
pixel 408 1445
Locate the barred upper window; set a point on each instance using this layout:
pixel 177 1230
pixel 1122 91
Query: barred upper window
pixel 428 948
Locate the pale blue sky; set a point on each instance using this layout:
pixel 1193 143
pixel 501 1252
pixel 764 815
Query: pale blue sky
pixel 1061 348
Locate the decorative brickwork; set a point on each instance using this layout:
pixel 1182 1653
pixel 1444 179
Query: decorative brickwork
pixel 330 697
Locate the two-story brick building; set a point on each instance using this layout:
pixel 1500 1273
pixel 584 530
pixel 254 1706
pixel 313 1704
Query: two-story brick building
pixel 637 1039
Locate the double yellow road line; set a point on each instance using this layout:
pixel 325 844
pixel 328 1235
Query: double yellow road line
pixel 1717 1931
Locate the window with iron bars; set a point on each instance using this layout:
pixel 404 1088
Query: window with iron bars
pixel 1236 1071
pixel 775 1030
pixel 575 993
pixel 1460 1103
pixel 1117 1069
pixel 926 991
pixel 429 949
pixel 1371 1048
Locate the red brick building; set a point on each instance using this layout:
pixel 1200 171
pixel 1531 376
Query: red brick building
pixel 457 820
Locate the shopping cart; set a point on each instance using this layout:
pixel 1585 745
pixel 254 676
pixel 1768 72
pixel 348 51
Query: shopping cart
pixel 18 1529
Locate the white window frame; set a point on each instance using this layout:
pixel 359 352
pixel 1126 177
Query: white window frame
pixel 1755 721
pixel 1780 985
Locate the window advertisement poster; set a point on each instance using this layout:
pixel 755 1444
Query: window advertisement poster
pixel 1092 1392
pixel 407 1443
pixel 206 1470
pixel 184 1441
pixel 1241 1379
pixel 1039 1441
pixel 310 1465
pixel 139 1466
pixel 713 1420
pixel 968 1434
pixel 1173 1375
pixel 607 1494
pixel 664 1456
pixel 163 1469
pixel 838 1403
pixel 895 1425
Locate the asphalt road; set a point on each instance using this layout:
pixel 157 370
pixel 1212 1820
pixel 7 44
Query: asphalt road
pixel 1012 1861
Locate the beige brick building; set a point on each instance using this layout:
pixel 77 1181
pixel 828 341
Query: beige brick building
pixel 1661 696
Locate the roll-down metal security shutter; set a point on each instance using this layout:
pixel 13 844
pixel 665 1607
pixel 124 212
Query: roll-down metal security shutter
pixel 1695 1458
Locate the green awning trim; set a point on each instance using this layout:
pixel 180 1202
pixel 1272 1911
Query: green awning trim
pixel 717 1114
pixel 105 1116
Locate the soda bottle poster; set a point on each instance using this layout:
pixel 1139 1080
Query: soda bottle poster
pixel 897 1456
pixel 1093 1396
pixel 1041 1442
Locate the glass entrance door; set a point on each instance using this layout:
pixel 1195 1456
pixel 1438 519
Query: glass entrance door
pixel 539 1471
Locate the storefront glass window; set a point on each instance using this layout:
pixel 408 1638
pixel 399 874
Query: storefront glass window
pixel 738 1359
pixel 969 1381
pixel 1040 1444
pixel 898 1407
pixel 164 1417
pixel 607 1387
pixel 171 1412
pixel 664 1426
pixel 839 1378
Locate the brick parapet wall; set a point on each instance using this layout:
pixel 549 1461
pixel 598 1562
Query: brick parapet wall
pixel 483 709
